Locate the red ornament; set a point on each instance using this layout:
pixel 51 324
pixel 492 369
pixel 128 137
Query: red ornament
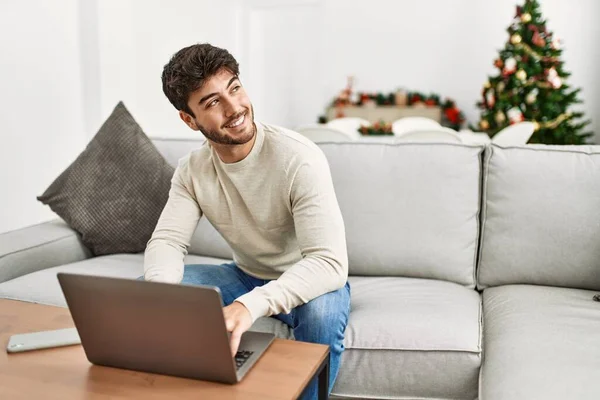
pixel 430 102
pixel 499 63
pixel 519 11
pixel 538 40
pixel 510 67
pixel 490 98
pixel 453 115
pixel 515 115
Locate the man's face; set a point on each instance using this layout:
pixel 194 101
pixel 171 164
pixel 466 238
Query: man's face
pixel 223 110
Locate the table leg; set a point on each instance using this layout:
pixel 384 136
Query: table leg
pixel 322 374
pixel 324 380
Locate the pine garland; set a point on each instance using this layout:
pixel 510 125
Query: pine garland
pixel 552 124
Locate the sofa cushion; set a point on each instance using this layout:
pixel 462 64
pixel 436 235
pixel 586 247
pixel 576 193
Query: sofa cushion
pixel 411 338
pixel 541 216
pixel 42 286
pixel 206 240
pixel 400 220
pixel 410 209
pixel 115 190
pixel 540 343
pixel 405 338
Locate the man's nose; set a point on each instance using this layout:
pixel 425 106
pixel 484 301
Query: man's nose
pixel 231 108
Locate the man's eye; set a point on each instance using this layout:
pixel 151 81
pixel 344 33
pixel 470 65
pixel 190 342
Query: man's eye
pixel 213 103
pixel 235 89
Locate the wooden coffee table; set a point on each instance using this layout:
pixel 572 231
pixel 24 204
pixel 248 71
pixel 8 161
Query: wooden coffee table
pixel 283 372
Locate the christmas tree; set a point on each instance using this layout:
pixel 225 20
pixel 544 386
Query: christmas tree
pixel 531 84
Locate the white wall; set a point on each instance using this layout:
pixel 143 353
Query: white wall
pixel 136 40
pixel 41 117
pixel 66 63
pixel 295 55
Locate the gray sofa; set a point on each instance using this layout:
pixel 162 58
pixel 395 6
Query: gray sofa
pixel 472 269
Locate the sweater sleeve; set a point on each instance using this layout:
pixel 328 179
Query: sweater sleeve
pixel 166 249
pixel 321 237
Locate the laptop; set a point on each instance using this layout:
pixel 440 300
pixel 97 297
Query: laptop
pixel 161 328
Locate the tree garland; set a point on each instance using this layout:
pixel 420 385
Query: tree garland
pixel 552 124
pixel 534 54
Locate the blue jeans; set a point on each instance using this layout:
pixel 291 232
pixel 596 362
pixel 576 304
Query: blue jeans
pixel 321 320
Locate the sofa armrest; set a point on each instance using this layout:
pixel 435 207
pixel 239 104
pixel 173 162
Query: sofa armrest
pixel 38 247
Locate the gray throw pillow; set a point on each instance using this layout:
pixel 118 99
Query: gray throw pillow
pixel 114 192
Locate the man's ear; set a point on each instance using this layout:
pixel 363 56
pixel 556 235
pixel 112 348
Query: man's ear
pixel 189 120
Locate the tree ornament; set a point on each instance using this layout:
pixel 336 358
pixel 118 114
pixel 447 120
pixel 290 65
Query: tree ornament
pixel 515 115
pixel 536 126
pixel 487 84
pixel 499 63
pixel 538 40
pixel 553 78
pixel 556 44
pixel 532 96
pixel 510 66
pixel 500 117
pixel 526 18
pixel 490 98
pixel 521 75
pixel 484 125
pixel 516 38
pixel 500 87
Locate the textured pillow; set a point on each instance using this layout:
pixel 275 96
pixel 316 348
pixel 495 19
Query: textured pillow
pixel 114 192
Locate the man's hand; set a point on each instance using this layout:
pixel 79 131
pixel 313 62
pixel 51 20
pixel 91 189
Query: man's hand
pixel 237 320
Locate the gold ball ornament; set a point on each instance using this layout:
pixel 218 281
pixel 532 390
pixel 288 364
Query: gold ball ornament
pixel 487 85
pixel 536 126
pixel 526 18
pixel 521 75
pixel 500 117
pixel 500 87
pixel 484 125
pixel 516 38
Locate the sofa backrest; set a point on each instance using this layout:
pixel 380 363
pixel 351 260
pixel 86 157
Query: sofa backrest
pixel 541 216
pixel 409 209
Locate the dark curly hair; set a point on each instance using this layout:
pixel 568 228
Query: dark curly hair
pixel 190 67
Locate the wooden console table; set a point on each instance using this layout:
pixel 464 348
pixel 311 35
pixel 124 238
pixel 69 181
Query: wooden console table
pixel 283 372
pixel 387 113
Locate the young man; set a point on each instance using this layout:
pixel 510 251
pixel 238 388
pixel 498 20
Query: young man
pixel 269 192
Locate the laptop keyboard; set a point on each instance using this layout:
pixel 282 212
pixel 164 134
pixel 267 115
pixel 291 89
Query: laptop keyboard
pixel 241 357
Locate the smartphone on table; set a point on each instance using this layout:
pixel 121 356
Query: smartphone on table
pixel 43 340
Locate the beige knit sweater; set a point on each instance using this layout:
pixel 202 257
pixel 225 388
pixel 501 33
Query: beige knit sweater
pixel 276 208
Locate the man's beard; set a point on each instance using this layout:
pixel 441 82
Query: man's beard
pixel 224 138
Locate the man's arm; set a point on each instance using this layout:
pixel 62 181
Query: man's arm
pixel 321 237
pixel 166 249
